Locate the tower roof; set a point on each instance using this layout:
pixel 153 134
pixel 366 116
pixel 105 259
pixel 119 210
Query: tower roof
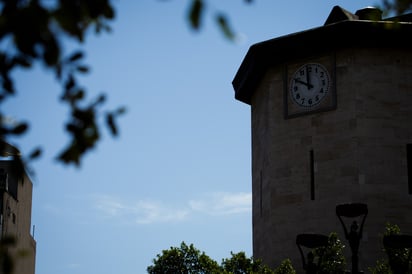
pixel 342 29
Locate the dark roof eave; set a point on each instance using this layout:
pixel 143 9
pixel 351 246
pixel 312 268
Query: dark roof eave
pixel 330 37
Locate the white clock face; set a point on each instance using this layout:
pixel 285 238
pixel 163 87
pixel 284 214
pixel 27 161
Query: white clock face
pixel 309 85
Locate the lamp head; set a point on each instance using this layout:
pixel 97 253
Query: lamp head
pixel 351 210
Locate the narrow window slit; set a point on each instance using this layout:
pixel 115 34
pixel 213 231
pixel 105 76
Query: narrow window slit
pixel 409 166
pixel 260 194
pixel 312 175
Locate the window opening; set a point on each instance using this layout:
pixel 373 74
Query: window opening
pixel 312 174
pixel 409 166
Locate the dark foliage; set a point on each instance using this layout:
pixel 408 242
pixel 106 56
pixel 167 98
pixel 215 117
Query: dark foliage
pixel 184 259
pixel 396 6
pixel 399 259
pixel 239 263
pixel 196 13
pixel 36 32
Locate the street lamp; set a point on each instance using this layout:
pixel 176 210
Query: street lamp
pixel 394 246
pixel 354 234
pixel 311 241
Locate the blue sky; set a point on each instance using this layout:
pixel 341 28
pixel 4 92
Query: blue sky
pixel 180 169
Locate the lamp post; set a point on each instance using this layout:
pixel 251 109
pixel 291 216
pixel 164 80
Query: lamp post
pixel 354 234
pixel 310 241
pixel 398 247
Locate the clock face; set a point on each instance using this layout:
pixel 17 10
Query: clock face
pixel 309 85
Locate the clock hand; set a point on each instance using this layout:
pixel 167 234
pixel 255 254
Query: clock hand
pixel 303 83
pixel 308 78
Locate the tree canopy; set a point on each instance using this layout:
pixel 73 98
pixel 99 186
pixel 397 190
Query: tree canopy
pixel 186 259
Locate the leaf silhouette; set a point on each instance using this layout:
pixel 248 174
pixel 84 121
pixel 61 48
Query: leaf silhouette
pixel 196 13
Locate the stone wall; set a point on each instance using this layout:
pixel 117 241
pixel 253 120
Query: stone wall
pixel 359 156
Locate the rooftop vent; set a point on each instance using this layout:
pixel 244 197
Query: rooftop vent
pixel 339 14
pixel 369 13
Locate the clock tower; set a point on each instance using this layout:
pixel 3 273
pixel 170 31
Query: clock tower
pixel 331 124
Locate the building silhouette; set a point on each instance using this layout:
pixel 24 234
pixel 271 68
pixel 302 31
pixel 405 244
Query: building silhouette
pixel 15 212
pixel 331 122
